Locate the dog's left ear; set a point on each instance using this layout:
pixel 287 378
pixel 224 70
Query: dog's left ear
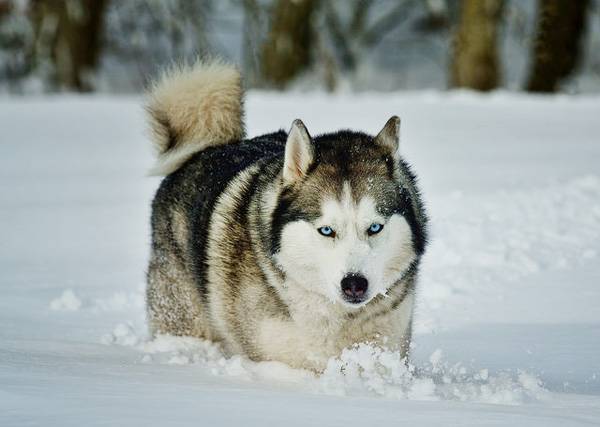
pixel 389 136
pixel 298 153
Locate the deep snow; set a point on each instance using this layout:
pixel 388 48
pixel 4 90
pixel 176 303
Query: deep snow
pixel 508 317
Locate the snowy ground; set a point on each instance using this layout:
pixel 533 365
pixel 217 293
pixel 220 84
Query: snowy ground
pixel 508 320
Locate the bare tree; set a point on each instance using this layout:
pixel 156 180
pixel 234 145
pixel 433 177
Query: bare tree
pixel 15 45
pixel 475 60
pixel 287 49
pixel 251 41
pixel 557 47
pixel 143 37
pixel 353 29
pixel 5 7
pixel 67 40
pixel 352 38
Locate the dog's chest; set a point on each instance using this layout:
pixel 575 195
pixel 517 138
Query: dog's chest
pixel 331 327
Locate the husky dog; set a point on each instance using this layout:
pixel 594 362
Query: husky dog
pixel 282 247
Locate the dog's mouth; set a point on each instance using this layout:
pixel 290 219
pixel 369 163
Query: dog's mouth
pixel 354 300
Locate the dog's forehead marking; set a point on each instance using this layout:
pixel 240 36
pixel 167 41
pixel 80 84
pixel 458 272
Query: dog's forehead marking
pixel 347 210
pixel 346 197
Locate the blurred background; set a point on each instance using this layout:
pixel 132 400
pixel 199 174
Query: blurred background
pixel 115 46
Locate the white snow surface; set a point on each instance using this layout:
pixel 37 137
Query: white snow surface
pixel 507 326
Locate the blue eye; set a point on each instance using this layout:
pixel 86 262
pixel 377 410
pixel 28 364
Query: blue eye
pixel 374 229
pixel 326 231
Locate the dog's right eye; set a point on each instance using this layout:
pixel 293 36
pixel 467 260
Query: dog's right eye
pixel 326 231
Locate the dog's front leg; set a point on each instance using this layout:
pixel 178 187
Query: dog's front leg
pixel 287 342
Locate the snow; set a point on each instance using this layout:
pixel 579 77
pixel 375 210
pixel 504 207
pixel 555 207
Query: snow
pixel 68 301
pixel 508 319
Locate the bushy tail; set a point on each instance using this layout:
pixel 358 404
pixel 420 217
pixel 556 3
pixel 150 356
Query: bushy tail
pixel 192 108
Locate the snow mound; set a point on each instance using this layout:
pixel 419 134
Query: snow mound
pixel 363 370
pixel 123 334
pixel 366 369
pixel 485 243
pixel 120 301
pixel 68 301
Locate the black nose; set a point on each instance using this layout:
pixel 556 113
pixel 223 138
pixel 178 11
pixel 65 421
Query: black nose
pixel 354 287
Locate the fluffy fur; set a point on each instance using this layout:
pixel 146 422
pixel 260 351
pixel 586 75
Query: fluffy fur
pixel 194 107
pixel 239 255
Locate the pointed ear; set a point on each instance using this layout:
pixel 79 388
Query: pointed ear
pixel 389 137
pixel 298 153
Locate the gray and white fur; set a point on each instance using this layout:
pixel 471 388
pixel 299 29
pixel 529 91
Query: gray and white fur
pixel 282 247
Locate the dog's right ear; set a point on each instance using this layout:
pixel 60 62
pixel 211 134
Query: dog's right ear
pixel 298 153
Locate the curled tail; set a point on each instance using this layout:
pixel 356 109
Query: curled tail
pixel 192 108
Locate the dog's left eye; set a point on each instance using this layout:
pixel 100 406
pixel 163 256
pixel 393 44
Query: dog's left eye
pixel 374 229
pixel 326 231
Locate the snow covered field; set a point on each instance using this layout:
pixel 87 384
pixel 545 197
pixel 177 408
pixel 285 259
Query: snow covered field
pixel 508 318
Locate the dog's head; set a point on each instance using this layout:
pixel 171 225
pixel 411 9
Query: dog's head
pixel 348 223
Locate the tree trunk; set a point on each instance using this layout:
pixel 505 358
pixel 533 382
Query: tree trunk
pixel 475 61
pixel 287 50
pixel 68 40
pixel 557 47
pixel 251 37
pixel 5 8
pixel 15 45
